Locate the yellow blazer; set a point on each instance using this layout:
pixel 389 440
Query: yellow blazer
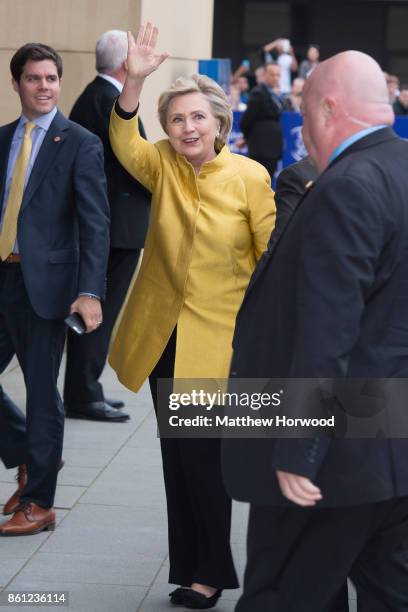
pixel 205 235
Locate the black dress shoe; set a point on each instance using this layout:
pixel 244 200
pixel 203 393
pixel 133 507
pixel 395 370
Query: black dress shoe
pixel 114 403
pixel 193 599
pixel 96 411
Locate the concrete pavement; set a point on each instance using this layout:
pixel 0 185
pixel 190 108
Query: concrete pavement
pixel 109 549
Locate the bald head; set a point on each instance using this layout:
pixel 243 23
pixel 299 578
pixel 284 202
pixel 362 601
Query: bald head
pixel 357 82
pixel 344 95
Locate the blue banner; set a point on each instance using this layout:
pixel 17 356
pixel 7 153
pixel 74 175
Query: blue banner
pixel 217 69
pixel 401 126
pixel 293 147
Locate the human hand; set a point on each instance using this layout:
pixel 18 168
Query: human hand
pixel 271 45
pixel 90 310
pixel 240 143
pixel 142 58
pixel 298 489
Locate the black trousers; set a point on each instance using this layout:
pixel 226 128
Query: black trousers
pixel 198 508
pixel 299 558
pixel 86 355
pixel 38 344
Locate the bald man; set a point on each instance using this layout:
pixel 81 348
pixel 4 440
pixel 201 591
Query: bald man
pixel 329 300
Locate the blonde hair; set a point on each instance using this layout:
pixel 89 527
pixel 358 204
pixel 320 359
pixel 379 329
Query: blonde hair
pixel 220 106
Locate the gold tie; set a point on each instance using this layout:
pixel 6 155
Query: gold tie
pixel 9 228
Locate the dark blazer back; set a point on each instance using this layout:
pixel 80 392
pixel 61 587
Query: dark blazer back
pixel 260 125
pixel 345 315
pixel 129 200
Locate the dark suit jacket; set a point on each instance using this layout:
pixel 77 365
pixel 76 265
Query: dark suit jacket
pixel 129 201
pixel 329 299
pixel 260 125
pixel 291 185
pixel 63 225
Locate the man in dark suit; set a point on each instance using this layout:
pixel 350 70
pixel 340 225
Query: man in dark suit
pixel 328 300
pixel 54 245
pixel 129 205
pixel 291 185
pixel 260 123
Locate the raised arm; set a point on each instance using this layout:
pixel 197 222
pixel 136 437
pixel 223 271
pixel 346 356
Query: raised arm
pixel 140 158
pixel 271 45
pixel 142 60
pixel 294 65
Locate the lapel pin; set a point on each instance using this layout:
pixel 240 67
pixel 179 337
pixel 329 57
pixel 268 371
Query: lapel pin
pixel 57 138
pixel 308 184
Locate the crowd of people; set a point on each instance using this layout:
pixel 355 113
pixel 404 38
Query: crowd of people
pixel 227 288
pixel 291 77
pixel 275 86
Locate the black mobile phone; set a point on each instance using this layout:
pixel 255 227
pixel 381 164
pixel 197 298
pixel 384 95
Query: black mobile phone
pixel 76 323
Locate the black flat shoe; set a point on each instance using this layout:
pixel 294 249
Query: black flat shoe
pixel 177 596
pixel 197 601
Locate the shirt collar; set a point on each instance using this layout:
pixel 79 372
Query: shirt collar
pixel 111 79
pixel 44 121
pixel 352 139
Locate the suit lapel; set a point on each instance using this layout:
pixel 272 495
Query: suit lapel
pixel 5 144
pixel 50 148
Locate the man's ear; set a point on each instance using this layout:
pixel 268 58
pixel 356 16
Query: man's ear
pixel 15 85
pixel 329 109
pixel 125 65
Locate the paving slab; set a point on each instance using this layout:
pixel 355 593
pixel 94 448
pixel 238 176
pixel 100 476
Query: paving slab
pixel 156 602
pixel 6 475
pixel 77 475
pixel 67 496
pixel 84 457
pixel 91 569
pixel 94 435
pixel 20 548
pixel 9 567
pixel 104 530
pixel 6 490
pixel 135 486
pixel 130 456
pixel 352 605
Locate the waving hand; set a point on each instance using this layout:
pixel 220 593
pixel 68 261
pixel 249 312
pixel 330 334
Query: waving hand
pixel 142 58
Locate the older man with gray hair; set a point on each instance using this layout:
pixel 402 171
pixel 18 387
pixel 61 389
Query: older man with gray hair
pixel 130 205
pixel 328 300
